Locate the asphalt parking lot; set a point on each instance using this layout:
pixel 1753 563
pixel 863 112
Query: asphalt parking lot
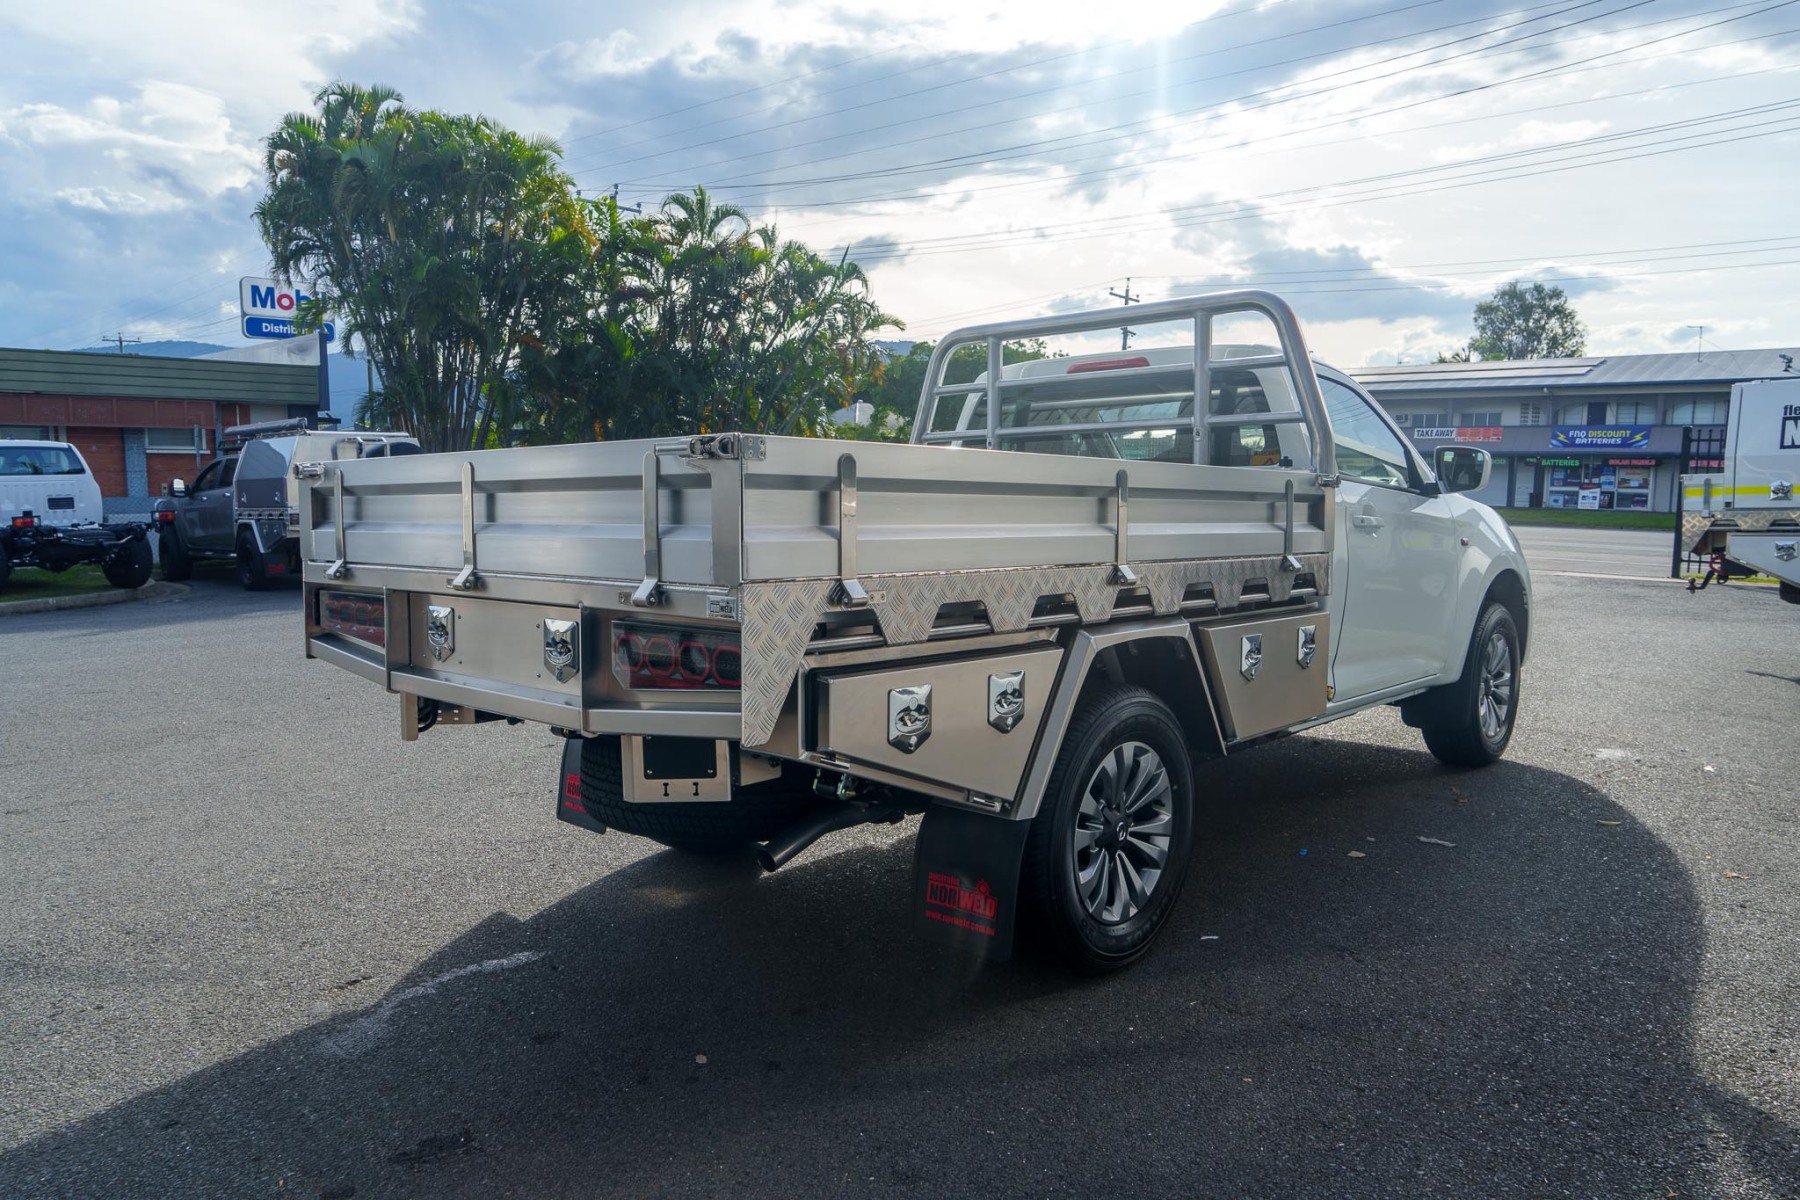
pixel 253 944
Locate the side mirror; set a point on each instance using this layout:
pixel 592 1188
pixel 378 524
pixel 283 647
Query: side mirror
pixel 1462 468
pixel 178 487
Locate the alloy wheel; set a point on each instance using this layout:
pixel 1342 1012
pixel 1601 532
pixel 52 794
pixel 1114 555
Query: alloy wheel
pixel 1122 833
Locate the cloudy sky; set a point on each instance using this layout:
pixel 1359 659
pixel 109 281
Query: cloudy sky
pixel 1382 163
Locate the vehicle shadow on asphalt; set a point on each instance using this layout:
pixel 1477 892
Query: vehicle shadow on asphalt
pixel 1508 1014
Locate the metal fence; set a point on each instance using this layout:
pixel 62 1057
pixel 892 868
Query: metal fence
pixel 1702 450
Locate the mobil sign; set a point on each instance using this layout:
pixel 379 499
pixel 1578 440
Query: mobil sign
pixel 270 308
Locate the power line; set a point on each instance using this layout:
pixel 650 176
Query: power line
pixel 1200 215
pixel 1285 279
pixel 978 78
pixel 1559 69
pixel 750 91
pixel 1136 169
pixel 989 155
pixel 1271 99
pixel 1358 289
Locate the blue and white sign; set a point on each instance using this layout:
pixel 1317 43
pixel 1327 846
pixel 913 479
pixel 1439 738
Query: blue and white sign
pixel 1619 437
pixel 269 309
pixel 281 327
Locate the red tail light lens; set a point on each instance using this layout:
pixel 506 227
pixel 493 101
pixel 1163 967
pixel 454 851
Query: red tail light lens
pixel 166 517
pixel 356 615
pixel 24 522
pixel 660 656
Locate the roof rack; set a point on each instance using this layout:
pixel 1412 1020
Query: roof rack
pixel 235 436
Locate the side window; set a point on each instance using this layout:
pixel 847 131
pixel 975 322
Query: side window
pixel 208 478
pixel 227 472
pixel 1367 450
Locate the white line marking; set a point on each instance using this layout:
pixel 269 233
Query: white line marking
pixel 1629 578
pixel 360 1035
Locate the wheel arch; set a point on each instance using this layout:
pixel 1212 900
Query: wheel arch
pixel 1508 589
pixel 1159 656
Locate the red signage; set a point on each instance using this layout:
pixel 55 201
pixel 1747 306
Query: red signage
pixel 1462 433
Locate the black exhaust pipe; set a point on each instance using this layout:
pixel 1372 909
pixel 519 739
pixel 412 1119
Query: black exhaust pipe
pixel 781 849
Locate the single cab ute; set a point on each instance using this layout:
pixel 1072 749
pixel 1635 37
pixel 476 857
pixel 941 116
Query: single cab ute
pixel 1086 578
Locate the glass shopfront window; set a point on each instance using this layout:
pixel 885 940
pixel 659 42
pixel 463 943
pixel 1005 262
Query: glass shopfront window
pixel 1598 483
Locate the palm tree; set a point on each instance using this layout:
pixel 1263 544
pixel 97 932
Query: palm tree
pixel 430 235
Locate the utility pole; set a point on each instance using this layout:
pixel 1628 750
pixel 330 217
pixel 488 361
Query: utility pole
pixel 637 209
pixel 121 339
pixel 1125 297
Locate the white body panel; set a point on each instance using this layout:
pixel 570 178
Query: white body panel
pixel 1762 453
pixel 35 477
pixel 1400 560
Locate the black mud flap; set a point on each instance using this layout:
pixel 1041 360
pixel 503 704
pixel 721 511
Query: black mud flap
pixel 966 881
pixel 568 790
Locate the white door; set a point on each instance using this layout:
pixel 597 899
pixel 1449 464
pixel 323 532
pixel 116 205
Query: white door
pixel 1398 553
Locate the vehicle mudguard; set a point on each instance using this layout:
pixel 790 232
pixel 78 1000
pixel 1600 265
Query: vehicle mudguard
pixel 966 881
pixel 568 790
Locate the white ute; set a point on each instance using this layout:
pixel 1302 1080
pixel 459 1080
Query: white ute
pixel 1088 577
pixel 50 517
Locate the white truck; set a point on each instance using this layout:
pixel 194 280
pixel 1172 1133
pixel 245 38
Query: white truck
pixel 1086 578
pixel 1745 515
pixel 51 517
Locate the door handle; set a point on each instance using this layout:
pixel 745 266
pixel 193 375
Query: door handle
pixel 1368 521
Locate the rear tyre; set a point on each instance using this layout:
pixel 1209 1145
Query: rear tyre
pixel 130 567
pixel 1109 850
pixel 755 813
pixel 252 564
pixel 1469 723
pixel 176 565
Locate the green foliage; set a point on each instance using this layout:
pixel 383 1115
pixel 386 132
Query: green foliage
pixel 1526 321
pixel 696 321
pixel 500 306
pixel 440 239
pixel 894 387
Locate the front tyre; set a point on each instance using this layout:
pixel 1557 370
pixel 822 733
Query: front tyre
pixel 1469 723
pixel 176 565
pixel 1109 850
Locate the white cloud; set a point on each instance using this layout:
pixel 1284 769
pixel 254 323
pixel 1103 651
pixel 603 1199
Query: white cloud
pixel 129 146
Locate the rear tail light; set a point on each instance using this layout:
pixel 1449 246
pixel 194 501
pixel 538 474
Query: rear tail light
pixel 24 522
pixel 166 517
pixel 662 656
pixel 356 615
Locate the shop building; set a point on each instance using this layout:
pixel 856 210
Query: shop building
pixel 1574 432
pixel 141 421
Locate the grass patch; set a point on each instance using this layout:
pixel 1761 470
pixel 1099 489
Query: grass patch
pixel 1591 518
pixel 34 583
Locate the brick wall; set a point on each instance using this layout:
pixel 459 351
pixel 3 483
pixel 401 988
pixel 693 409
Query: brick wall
pixel 104 450
pixel 164 467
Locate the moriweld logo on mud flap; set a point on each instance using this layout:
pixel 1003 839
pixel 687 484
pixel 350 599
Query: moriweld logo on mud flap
pixel 966 881
pixel 570 805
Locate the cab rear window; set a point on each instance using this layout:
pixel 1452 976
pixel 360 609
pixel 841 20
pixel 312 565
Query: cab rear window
pixel 39 460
